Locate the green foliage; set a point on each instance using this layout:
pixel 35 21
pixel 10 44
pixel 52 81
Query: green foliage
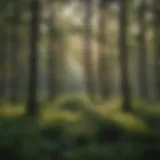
pixel 20 138
pixel 89 132
pixel 75 103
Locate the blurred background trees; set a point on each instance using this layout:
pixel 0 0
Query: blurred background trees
pixel 78 48
pixel 99 58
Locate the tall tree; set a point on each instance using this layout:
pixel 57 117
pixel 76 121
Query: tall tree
pixel 156 12
pixel 143 79
pixel 52 56
pixel 15 52
pixel 88 59
pixel 126 93
pixel 33 57
pixel 3 41
pixel 104 72
pixel 5 47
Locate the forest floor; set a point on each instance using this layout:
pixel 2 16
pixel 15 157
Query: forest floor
pixel 144 116
pixel 73 128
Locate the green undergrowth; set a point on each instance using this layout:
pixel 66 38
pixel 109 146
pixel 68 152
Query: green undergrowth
pixel 77 108
pixel 72 128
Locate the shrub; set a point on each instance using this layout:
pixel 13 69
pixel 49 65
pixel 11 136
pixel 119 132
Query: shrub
pixel 20 138
pixel 75 104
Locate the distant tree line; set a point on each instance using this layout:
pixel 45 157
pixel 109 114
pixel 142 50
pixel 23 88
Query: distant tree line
pixel 20 32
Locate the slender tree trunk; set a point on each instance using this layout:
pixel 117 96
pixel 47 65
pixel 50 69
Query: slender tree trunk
pixel 104 74
pixel 53 54
pixel 61 59
pixel 88 59
pixel 2 60
pixel 126 93
pixel 52 64
pixel 15 46
pixel 156 12
pixel 7 71
pixel 56 55
pixel 143 79
pixel 32 107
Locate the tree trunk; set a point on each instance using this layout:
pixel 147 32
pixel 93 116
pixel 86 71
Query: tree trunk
pixel 52 64
pixel 104 72
pixel 156 12
pixel 88 59
pixel 143 79
pixel 126 93
pixel 15 46
pixel 53 54
pixel 32 107
pixel 3 41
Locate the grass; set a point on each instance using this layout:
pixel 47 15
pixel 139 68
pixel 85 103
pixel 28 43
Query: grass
pixel 109 110
pixel 84 130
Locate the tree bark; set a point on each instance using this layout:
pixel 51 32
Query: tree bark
pixel 104 64
pixel 32 106
pixel 52 64
pixel 15 46
pixel 125 88
pixel 3 41
pixel 156 20
pixel 143 76
pixel 88 59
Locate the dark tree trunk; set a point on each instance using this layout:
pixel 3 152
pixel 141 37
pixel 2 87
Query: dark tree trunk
pixel 88 59
pixel 156 12
pixel 15 46
pixel 104 73
pixel 126 93
pixel 52 64
pixel 56 56
pixel 143 76
pixel 3 46
pixel 32 107
pixel 53 54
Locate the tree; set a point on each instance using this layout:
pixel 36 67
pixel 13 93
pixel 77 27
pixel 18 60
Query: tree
pixel 52 56
pixel 15 52
pixel 89 73
pixel 3 41
pixel 126 93
pixel 143 79
pixel 56 56
pixel 5 20
pixel 156 12
pixel 104 66
pixel 33 57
